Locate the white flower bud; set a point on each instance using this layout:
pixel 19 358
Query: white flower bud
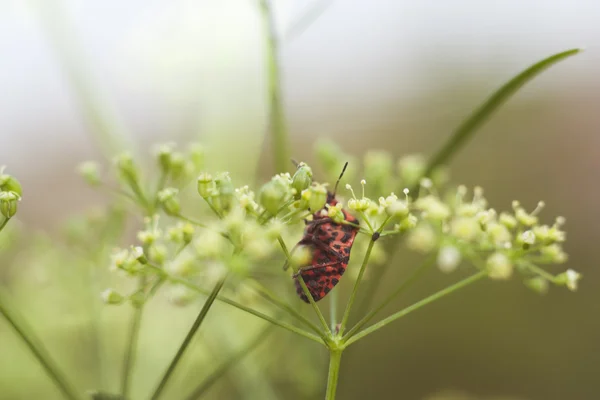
pixel 448 259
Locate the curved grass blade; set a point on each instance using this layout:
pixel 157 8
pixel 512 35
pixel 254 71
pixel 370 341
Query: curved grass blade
pixel 466 130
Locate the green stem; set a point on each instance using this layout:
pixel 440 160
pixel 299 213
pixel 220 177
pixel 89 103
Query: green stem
pixel 128 362
pixel 335 358
pixel 356 285
pixel 416 306
pixel 405 285
pixel 38 350
pixel 333 300
pixel 541 272
pixel 188 338
pixel 277 124
pixel 219 372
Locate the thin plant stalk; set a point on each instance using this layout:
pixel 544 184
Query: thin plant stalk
pixel 131 347
pixel 333 301
pixel 430 299
pixel 355 289
pixel 277 122
pixel 186 342
pixel 313 304
pixel 25 332
pixel 335 358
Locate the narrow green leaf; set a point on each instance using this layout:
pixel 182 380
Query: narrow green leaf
pixel 466 130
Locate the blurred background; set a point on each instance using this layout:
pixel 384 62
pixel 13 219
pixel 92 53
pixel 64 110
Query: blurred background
pixel 369 74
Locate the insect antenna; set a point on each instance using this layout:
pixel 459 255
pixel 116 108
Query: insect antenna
pixel 340 178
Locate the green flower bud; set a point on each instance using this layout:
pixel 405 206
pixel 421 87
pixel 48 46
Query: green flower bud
pixel 137 253
pixel 197 155
pixel 407 224
pixel 137 299
pixel 205 185
pixel 8 203
pixel 126 168
pixel 9 183
pixel 335 213
pixel 569 278
pixel 151 234
pixel 359 205
pixel 224 199
pixel 302 179
pixel 301 257
pixel 157 253
pixel 317 197
pixel 178 165
pixel 164 154
pixel 523 216
pixel 538 284
pixel 272 196
pixel 508 220
pixel 169 201
pixel 109 296
pixel 398 209
pixel 187 232
pixel 554 254
pixel 90 171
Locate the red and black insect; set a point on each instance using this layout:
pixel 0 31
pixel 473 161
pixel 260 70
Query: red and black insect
pixel 330 244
